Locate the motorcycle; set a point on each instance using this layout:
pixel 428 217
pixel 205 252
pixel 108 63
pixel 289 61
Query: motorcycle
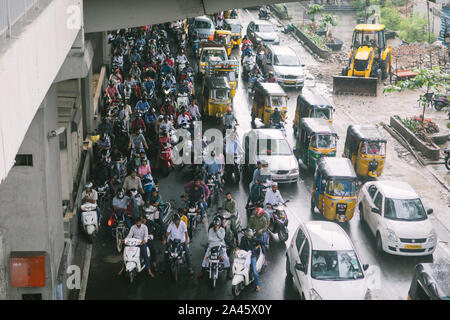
pixel 252 80
pixel 259 202
pixel 279 221
pixel 280 126
pixel 247 66
pixel 233 171
pixel 439 102
pixel 230 239
pixel 216 264
pixel 89 220
pixel 193 213
pixel 119 229
pixel 447 158
pixel 104 195
pixel 211 182
pixel 242 274
pixel 263 14
pixel 132 259
pixel 164 157
pixel 176 257
pixel 152 214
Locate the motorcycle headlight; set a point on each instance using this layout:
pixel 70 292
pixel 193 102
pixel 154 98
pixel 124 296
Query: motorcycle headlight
pixel 314 295
pixel 391 235
pixel 432 237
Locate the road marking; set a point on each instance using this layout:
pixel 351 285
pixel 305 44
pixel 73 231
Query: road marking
pixel 87 265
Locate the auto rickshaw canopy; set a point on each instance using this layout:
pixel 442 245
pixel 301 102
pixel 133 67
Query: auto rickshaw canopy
pixel 270 89
pixel 314 98
pixel 336 168
pixel 316 125
pixel 215 82
pixel 358 133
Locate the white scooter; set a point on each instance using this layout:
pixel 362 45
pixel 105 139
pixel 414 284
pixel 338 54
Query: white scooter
pixel 89 219
pixel 132 259
pixel 242 273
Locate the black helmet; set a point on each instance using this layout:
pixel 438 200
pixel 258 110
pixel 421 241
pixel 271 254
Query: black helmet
pixel 176 217
pixel 216 221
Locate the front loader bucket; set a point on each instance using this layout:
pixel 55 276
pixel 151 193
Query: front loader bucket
pixel 355 85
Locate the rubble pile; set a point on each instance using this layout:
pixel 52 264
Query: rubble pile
pixel 417 55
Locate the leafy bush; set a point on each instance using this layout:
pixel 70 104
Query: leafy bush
pixel 415 29
pixel 391 18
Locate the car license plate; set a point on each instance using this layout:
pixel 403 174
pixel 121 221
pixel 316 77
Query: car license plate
pixel 413 246
pixel 289 82
pixel 214 261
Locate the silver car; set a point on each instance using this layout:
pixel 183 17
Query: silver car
pixel 203 26
pixel 271 145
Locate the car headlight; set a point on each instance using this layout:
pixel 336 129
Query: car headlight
pixel 258 39
pixel 294 171
pixel 391 235
pixel 314 295
pixel 277 40
pixel 432 237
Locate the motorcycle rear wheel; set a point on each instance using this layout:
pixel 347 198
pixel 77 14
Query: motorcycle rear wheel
pixel 447 162
pixel 119 239
pixel 131 275
pixel 175 271
pixel 237 289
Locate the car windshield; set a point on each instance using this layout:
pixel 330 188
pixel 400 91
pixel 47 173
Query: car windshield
pixel 342 188
pixel 265 28
pixel 220 94
pixel 323 141
pixel 323 113
pixel 229 74
pixel 405 210
pixel 202 25
pixel 206 54
pixel 235 28
pixel 278 101
pixel 335 265
pixel 286 60
pixel 365 38
pixel 373 148
pixel 273 147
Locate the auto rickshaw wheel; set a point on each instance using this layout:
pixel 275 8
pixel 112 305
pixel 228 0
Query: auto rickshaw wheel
pixel 379 243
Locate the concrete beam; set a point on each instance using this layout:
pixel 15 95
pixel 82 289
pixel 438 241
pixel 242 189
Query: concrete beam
pixel 105 15
pixel 77 64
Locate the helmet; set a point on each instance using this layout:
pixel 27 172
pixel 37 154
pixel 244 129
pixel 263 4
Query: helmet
pixel 259 211
pixel 249 233
pixel 276 109
pixel 213 153
pixel 275 184
pixel 120 194
pixel 176 217
pixel 216 221
pixel 229 109
pixel 271 73
pixel 88 185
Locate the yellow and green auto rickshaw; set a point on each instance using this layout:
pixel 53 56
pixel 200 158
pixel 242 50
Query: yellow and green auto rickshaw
pixel 365 146
pixel 315 139
pixel 234 26
pixel 334 189
pixel 267 97
pixel 311 104
pixel 216 96
pixel 230 70
pixel 223 37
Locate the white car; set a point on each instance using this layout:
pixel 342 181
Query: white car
pixel 324 264
pixel 285 64
pixel 396 217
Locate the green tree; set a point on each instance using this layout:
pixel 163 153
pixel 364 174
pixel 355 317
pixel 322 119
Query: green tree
pixel 314 9
pixel 415 29
pixel 433 80
pixel 391 18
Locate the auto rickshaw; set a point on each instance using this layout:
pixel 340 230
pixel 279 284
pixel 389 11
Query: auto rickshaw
pixel 230 70
pixel 315 139
pixel 223 36
pixel 334 189
pixel 227 14
pixel 365 146
pixel 216 96
pixel 311 104
pixel 430 282
pixel 235 27
pixel 267 97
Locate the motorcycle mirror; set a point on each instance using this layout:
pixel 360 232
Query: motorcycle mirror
pixel 430 211
pixel 365 267
pixel 287 201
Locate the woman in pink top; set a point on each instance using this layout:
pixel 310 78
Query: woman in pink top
pixel 144 169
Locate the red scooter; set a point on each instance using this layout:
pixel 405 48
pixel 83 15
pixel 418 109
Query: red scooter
pixel 165 159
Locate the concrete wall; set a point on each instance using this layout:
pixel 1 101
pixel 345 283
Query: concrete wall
pixel 30 61
pixel 420 6
pixel 30 197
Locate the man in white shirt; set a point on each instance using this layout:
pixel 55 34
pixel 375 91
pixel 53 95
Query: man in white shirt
pixel 140 231
pixel 273 197
pixel 177 230
pixel 193 110
pixel 90 195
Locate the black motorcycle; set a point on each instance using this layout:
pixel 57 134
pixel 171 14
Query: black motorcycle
pixel 279 221
pixel 176 257
pixel 259 201
pixel 233 171
pixel 447 158
pixel 211 182
pixel 216 264
pixel 193 213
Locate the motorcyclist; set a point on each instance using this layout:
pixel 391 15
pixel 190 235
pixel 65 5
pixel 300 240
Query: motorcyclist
pixel 251 244
pixel 259 223
pixel 197 194
pixel 260 176
pixel 90 195
pixel 246 43
pixel 138 123
pixel 116 77
pixel 181 58
pixel 249 59
pixel 228 119
pixel 137 141
pixel 120 204
pixel 155 199
pixel 216 237
pixel 273 197
pixel 142 105
pixel 276 117
pixel 111 91
pixel 177 230
pixel 230 206
pixel 135 71
pixel 192 109
pixel 103 173
pixel 183 117
pixel 214 168
pixel 198 180
pixel 167 108
pixel 133 182
pixel 104 143
pixel 105 127
pixel 116 158
pixel 140 231
pixel 166 125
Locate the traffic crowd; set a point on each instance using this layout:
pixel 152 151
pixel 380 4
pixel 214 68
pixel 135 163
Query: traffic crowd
pixel 150 94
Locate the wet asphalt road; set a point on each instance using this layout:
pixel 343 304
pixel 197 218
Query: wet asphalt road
pixel 396 272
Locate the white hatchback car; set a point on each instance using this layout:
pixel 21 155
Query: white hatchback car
pixel 396 217
pixel 324 264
